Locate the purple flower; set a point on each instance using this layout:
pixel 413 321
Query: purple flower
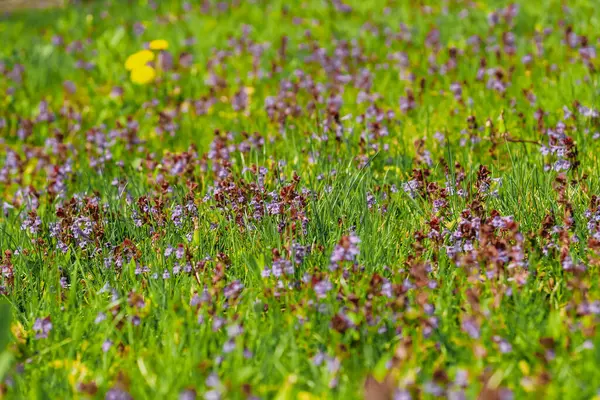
pixel 187 394
pixel 411 188
pixel 462 378
pixel 186 60
pixel 42 327
pixel 69 86
pixel 212 381
pixel 138 28
pixel 321 288
pixel 117 394
pixel 433 389
pixel 63 282
pixel 116 91
pixel 234 330
pixel 265 273
pixel 176 269
pixel 179 252
pixel 561 165
pixel 178 210
pixel 386 290
pixel 505 347
pixel 471 328
pixel 345 250
pixel 212 395
pixel 318 358
pixel 401 394
pixel 333 365
pixel 229 346
pixel 281 266
pixel 107 345
pixel 233 289
pixel 99 318
pixel 371 200
pixel 217 324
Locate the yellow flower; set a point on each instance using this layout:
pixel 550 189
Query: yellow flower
pixel 19 332
pixel 143 75
pixel 159 44
pixel 139 59
pixel 77 370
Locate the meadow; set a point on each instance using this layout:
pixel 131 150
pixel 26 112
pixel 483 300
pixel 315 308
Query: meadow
pixel 313 199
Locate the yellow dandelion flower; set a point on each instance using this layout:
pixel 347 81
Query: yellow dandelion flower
pixel 143 75
pixel 159 44
pixel 139 59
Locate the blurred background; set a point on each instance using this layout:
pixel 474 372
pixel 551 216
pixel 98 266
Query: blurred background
pixel 6 6
pixel 14 5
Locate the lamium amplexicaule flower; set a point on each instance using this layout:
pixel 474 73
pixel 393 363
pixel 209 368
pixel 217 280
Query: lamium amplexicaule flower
pixel 338 199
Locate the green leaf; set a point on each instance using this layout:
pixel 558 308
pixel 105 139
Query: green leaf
pixel 5 318
pixel 381 368
pixel 118 35
pixel 6 360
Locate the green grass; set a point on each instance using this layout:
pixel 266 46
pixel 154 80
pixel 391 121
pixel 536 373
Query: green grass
pixel 403 311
